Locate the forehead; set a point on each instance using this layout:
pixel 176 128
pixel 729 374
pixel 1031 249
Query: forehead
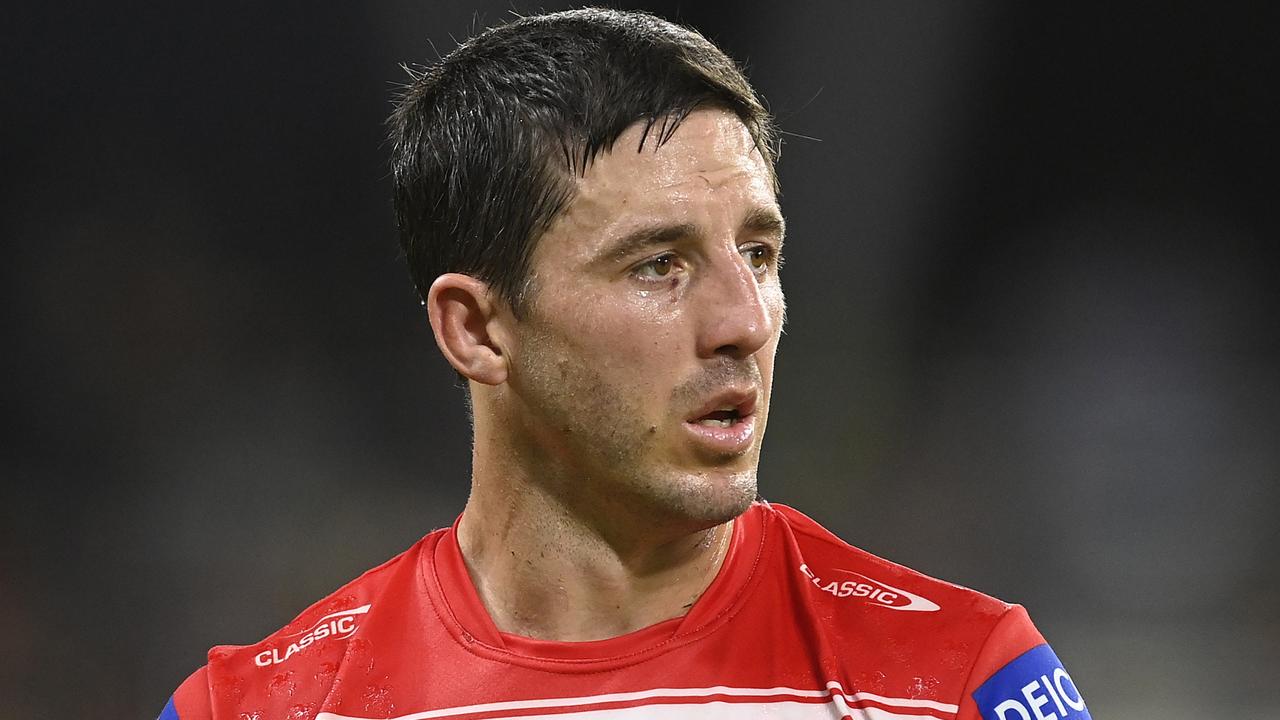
pixel 708 172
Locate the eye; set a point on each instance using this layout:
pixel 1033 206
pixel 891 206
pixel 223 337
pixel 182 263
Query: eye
pixel 658 268
pixel 757 256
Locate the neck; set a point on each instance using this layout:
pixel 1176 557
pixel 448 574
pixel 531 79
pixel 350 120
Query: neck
pixel 549 571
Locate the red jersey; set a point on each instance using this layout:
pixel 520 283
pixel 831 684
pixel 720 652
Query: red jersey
pixel 796 625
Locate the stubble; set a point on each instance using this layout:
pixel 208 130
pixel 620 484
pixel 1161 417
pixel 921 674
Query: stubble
pixel 601 453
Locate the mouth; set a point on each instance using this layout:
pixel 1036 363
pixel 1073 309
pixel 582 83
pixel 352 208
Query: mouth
pixel 725 408
pixel 725 425
pixel 720 418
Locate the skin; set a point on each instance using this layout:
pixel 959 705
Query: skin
pixel 594 509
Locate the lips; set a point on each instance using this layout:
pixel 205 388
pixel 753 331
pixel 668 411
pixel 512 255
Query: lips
pixel 725 423
pixel 726 404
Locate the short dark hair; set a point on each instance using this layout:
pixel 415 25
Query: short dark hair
pixel 485 142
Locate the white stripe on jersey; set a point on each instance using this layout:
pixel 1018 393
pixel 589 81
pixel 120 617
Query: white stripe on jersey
pixel 656 705
pixel 900 702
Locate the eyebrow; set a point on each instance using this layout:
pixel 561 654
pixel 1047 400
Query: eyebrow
pixel 637 240
pixel 764 221
pixel 761 220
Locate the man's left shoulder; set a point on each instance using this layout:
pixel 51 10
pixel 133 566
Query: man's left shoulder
pixel 902 634
pixel 846 574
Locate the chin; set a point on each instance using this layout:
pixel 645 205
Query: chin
pixel 708 499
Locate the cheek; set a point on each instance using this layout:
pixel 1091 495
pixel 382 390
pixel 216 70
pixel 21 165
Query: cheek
pixel 639 353
pixel 777 308
pixel 774 299
pixel 631 334
pixel 632 340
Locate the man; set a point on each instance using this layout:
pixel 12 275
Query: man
pixel 588 204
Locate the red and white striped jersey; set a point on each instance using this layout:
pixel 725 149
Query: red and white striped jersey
pixel 796 625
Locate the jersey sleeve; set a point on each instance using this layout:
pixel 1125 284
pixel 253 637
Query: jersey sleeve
pixel 1017 676
pixel 191 700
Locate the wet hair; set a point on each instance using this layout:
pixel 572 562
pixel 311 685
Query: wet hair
pixel 486 143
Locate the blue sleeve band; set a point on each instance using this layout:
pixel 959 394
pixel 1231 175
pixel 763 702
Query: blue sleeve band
pixel 1033 686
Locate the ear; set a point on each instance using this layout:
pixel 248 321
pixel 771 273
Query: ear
pixel 464 319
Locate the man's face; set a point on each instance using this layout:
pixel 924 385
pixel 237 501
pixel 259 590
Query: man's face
pixel 642 369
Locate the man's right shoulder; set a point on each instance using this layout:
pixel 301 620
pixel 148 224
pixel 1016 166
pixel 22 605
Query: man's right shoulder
pixel 288 673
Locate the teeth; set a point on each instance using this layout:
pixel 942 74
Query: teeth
pixel 713 422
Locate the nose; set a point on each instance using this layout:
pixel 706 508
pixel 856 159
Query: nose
pixel 736 319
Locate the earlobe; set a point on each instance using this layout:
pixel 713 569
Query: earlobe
pixel 462 312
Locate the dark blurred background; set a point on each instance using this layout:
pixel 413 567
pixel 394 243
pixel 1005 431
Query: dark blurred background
pixel 1032 343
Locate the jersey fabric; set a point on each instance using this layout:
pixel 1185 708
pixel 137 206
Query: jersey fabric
pixel 796 625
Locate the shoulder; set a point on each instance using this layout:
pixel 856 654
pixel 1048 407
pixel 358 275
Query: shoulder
pixel 906 634
pixel 294 666
pixel 841 571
